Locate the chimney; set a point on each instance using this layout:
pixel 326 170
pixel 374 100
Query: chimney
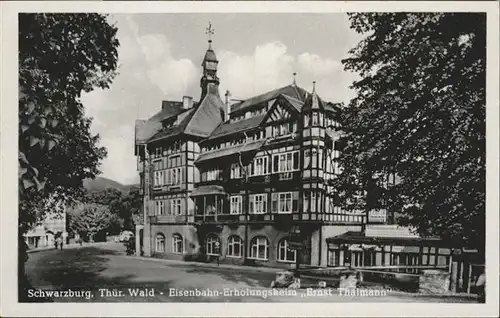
pixel 228 106
pixel 187 102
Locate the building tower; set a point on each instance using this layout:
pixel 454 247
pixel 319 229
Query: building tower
pixel 313 144
pixel 209 81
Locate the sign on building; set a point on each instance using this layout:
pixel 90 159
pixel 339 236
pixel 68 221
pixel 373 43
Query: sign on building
pixel 377 216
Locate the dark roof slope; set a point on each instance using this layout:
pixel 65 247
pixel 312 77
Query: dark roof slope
pixel 289 90
pixel 207 116
pixel 242 125
pixel 145 129
pixel 174 130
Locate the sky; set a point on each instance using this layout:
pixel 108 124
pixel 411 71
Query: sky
pixel 160 58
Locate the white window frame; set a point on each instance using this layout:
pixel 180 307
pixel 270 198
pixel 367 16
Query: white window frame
pixel 284 156
pixel 262 203
pixel 235 201
pixel 157 241
pixel 256 242
pixel 314 201
pixel 212 239
pixel 235 171
pixel 232 241
pixel 282 249
pixel 176 207
pixel 264 166
pixel 160 207
pixel 285 194
pixel 177 238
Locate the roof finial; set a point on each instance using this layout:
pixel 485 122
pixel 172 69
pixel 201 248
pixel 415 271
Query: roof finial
pixel 314 87
pixel 294 82
pixel 210 32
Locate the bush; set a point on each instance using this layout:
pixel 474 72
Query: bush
pixel 195 257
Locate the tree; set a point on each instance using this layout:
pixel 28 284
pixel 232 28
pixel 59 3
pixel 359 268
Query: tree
pixel 60 56
pixel 132 203
pixel 419 114
pixel 123 205
pixel 90 219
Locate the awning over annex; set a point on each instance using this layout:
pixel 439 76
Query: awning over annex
pixel 207 190
pixel 242 148
pixel 354 237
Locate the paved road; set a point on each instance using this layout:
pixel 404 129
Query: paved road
pixel 103 273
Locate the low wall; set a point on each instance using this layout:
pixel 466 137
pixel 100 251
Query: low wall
pixel 434 282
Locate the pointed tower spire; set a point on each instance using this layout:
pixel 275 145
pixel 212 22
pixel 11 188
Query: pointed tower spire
pixel 313 101
pixel 209 82
pixel 210 32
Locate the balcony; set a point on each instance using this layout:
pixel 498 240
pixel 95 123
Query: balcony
pixel 292 176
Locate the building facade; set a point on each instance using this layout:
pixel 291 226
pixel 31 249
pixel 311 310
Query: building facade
pixel 247 182
pixel 46 230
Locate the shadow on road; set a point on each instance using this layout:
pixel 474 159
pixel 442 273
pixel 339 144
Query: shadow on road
pixel 252 279
pixel 77 269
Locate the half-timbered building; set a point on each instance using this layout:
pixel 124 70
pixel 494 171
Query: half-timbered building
pixel 248 181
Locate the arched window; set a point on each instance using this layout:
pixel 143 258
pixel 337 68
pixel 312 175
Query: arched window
pixel 212 245
pixel 160 243
pixel 234 246
pixel 285 254
pixel 259 248
pixel 177 244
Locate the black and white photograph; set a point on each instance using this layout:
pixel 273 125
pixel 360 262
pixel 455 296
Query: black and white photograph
pixel 288 157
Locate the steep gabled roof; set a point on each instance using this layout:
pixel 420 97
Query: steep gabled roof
pixel 297 104
pixel 145 129
pixel 174 130
pixel 207 116
pixel 289 90
pixel 242 125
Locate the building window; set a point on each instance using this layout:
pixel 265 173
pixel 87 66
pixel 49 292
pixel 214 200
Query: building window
pixel 175 176
pixel 235 171
pixel 214 174
pixel 285 254
pixel 213 245
pixel 306 121
pixel 234 246
pixel 313 201
pixel 175 206
pixel 177 244
pixel 160 243
pixel 160 208
pixel 315 119
pixel 259 248
pixel 286 162
pixel 333 258
pixel 235 204
pixel 285 202
pixel 258 203
pixel 284 129
pixel 259 166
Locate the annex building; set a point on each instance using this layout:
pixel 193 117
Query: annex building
pixel 249 182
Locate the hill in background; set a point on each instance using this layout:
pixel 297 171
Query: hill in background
pixel 101 183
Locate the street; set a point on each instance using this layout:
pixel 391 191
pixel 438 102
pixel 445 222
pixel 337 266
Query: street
pixel 103 273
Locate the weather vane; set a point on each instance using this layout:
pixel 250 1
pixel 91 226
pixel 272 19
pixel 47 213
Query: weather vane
pixel 210 32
